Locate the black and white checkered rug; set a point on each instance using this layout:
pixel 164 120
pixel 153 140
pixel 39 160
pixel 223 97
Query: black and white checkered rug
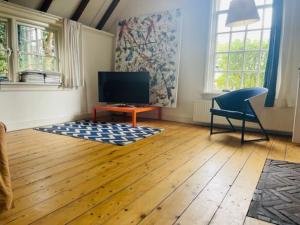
pixel 113 133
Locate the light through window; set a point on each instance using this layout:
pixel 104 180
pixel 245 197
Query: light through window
pixel 4 50
pixel 37 49
pixel 240 53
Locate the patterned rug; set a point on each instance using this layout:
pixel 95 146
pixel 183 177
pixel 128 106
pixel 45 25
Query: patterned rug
pixel 277 196
pixel 113 133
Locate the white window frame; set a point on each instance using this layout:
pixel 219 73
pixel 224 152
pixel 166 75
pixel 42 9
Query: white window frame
pixel 210 71
pixel 13 22
pixel 8 47
pixel 42 28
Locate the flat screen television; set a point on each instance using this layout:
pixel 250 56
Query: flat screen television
pixel 124 87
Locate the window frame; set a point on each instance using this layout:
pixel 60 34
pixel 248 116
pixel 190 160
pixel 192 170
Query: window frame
pixel 13 22
pixel 212 50
pixel 8 50
pixel 47 28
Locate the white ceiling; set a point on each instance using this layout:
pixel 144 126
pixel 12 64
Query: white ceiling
pixel 65 8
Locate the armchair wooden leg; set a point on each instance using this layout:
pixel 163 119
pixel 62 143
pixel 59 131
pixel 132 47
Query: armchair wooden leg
pixel 243 132
pixel 263 130
pixel 231 125
pixel 243 141
pixel 225 130
pixel 211 123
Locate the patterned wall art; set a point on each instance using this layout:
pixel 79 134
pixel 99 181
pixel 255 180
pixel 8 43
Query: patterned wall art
pixel 152 43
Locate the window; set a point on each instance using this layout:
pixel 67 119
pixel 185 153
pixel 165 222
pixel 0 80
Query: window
pixel 239 54
pixel 36 49
pixel 4 50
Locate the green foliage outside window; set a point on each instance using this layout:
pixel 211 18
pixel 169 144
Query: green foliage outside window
pixel 37 49
pixel 243 68
pixel 3 52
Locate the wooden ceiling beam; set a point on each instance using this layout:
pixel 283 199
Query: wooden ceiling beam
pixel 81 7
pixel 107 14
pixel 45 5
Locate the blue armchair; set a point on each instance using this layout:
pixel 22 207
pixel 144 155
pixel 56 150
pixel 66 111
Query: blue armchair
pixel 239 105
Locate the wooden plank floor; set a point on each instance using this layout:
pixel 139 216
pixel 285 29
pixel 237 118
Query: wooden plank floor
pixel 181 176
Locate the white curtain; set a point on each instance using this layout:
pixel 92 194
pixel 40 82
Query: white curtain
pixel 72 44
pixel 290 55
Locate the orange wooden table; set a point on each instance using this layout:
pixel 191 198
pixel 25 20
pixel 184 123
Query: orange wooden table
pixel 133 110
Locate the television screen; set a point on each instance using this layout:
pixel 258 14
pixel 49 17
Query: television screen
pixel 124 87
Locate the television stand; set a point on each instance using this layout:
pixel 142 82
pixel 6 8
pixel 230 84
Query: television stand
pixel 134 110
pixel 123 105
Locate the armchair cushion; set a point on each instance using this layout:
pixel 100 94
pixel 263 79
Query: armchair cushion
pixel 237 100
pixel 234 115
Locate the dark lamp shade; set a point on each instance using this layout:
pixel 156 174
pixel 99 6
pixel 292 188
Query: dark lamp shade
pixel 242 13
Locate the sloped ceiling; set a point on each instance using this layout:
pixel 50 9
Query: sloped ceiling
pixel 65 8
pixel 115 16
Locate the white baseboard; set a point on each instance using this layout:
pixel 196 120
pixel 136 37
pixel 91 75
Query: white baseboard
pixel 180 119
pixel 27 124
pixel 20 125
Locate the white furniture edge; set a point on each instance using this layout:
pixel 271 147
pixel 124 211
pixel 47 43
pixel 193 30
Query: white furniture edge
pixel 296 131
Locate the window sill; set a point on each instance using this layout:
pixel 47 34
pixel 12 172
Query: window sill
pixel 209 95
pixel 23 86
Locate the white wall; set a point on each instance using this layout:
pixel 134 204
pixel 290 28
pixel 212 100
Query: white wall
pixel 196 16
pixel 98 55
pixel 193 50
pixel 30 106
pixel 24 109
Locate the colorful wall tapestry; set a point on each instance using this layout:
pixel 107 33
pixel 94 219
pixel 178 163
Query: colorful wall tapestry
pixel 152 43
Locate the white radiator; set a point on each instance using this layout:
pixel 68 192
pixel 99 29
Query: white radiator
pixel 201 113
